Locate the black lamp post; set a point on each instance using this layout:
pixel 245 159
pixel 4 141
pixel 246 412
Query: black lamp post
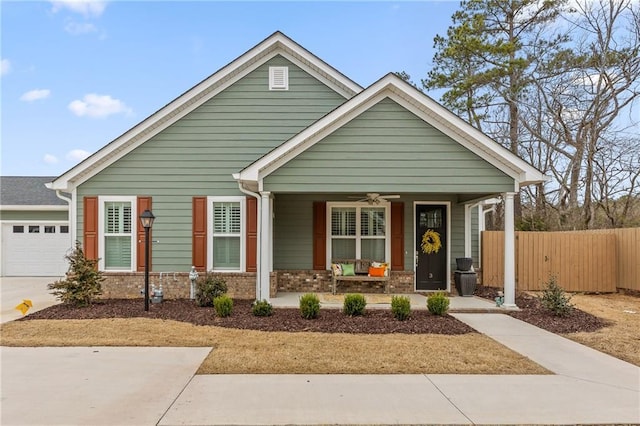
pixel 146 218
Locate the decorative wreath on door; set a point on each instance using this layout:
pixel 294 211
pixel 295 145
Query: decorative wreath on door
pixel 431 242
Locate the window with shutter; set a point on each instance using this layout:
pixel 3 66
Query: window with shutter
pixel 117 248
pixel 358 231
pixel 227 236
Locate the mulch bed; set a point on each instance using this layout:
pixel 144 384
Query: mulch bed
pixel 375 321
pixel 532 311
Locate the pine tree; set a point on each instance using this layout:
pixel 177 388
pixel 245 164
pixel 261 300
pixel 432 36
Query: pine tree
pixel 83 282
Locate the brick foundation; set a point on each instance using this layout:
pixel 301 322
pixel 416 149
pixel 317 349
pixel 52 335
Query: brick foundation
pixel 128 285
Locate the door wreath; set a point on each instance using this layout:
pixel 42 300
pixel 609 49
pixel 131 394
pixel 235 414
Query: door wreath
pixel 431 242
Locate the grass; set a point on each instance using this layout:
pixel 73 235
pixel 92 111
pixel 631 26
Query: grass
pixel 622 339
pixel 248 351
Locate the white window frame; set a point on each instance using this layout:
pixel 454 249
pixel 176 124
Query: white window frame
pixel 358 206
pixel 102 200
pixel 243 231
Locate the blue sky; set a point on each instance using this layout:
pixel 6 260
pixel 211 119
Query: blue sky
pixel 77 74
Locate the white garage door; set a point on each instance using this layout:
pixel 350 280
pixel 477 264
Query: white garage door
pixel 35 249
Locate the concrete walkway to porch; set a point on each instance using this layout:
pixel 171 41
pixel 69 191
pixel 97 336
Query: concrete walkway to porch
pixel 383 301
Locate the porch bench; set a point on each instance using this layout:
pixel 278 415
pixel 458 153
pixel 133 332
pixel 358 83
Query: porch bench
pixel 361 269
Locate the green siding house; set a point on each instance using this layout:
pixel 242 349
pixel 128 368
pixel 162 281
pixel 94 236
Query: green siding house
pixel 278 164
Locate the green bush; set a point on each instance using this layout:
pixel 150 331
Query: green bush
pixel 83 282
pixel 309 306
pixel 223 305
pixel 262 308
pixel 401 307
pixel 555 299
pixel 208 288
pixel 354 304
pixel 438 303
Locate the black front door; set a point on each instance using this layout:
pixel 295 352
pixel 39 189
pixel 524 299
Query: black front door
pixel 431 246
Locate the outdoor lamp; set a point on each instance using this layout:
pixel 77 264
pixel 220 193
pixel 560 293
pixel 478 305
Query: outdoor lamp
pixel 146 218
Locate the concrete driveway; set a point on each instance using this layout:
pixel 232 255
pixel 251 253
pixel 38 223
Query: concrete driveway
pixel 14 289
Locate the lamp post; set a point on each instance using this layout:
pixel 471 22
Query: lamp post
pixel 146 218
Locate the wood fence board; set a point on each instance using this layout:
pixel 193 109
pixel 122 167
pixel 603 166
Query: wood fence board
pixel 589 261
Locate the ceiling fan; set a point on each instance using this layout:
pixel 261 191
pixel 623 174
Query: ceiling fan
pixel 375 198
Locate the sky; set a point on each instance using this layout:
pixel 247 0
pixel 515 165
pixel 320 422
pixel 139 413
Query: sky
pixel 77 74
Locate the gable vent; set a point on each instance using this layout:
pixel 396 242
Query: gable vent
pixel 278 78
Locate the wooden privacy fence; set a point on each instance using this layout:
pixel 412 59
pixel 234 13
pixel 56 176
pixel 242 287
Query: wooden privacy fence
pixel 590 261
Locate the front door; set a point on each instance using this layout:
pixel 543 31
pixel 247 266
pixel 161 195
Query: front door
pixel 431 246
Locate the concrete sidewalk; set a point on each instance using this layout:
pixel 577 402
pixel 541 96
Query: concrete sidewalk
pixel 589 387
pixel 157 386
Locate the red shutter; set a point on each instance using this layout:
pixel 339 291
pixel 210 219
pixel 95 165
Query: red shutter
pixel 319 235
pixel 199 248
pixel 90 226
pixel 397 236
pixel 144 203
pixel 252 234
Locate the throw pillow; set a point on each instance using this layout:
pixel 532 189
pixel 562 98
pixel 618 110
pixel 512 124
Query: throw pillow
pixel 348 269
pixel 336 268
pixel 376 272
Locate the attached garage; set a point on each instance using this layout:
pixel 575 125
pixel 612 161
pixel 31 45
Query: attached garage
pixel 34 228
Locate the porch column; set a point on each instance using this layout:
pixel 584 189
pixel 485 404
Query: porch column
pixel 467 230
pixel 481 226
pixel 265 246
pixel 509 252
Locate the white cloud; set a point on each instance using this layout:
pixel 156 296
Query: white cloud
pixel 98 106
pixel 50 159
pixel 76 28
pixel 5 66
pixel 77 155
pixel 87 8
pixel 34 95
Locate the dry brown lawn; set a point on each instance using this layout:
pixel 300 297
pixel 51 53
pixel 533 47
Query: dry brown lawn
pixel 622 339
pixel 248 351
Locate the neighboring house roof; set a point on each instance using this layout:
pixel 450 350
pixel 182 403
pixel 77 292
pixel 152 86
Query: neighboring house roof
pixel 412 99
pixel 276 44
pixel 28 192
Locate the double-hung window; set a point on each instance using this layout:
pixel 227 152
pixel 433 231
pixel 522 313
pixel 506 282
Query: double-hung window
pixel 117 246
pixel 358 231
pixel 226 224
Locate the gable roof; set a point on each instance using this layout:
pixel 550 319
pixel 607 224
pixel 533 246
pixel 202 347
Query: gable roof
pixel 391 86
pixel 276 44
pixel 21 192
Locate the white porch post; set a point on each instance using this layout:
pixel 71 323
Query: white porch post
pixel 265 246
pixel 481 226
pixel 509 252
pixel 467 230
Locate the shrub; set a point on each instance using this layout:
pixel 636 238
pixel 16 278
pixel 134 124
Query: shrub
pixel 438 303
pixel 83 282
pixel 401 307
pixel 555 299
pixel 208 288
pixel 223 305
pixel 262 308
pixel 354 304
pixel 309 306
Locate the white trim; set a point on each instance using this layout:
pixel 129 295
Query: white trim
pixel 243 231
pixel 36 208
pixel 447 204
pixel 134 227
pixel 418 103
pixel 15 222
pixel 266 246
pixel 358 205
pixel 467 230
pixel 276 44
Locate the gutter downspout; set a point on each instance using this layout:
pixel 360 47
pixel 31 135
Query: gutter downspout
pixel 258 236
pixel 70 217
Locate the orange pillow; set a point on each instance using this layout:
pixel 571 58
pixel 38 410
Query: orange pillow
pixel 376 272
